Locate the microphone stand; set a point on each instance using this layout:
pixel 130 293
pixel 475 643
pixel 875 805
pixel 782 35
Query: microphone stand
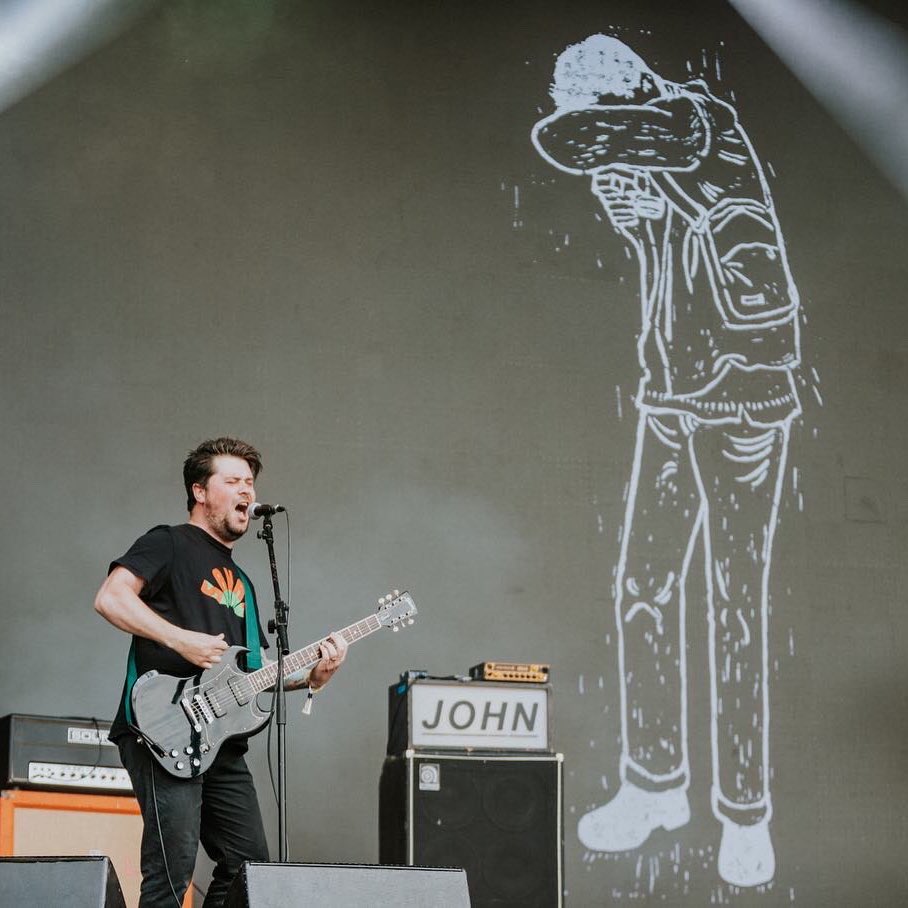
pixel 278 625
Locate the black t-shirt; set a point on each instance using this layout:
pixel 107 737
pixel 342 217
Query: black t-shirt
pixel 191 581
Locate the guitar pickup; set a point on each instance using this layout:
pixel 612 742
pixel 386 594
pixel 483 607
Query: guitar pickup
pixel 214 703
pixel 241 689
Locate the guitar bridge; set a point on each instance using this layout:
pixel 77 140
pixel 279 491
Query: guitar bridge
pixel 191 714
pixel 203 708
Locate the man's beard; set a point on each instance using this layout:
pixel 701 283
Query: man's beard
pixel 222 527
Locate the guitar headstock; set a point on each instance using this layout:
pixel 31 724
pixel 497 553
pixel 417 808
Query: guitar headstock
pixel 396 610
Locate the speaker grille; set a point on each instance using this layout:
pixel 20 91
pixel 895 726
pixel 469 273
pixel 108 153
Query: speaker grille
pixel 497 817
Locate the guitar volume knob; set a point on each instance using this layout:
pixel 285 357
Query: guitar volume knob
pixel 180 764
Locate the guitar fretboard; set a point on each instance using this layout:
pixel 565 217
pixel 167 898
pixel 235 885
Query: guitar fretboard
pixel 304 658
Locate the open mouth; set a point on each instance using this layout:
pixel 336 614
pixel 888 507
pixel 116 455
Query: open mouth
pixel 242 507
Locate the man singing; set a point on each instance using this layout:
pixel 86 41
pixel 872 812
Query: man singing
pixel 179 593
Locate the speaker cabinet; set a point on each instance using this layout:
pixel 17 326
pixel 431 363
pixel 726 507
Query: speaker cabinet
pixel 74 882
pixel 499 817
pixel 346 886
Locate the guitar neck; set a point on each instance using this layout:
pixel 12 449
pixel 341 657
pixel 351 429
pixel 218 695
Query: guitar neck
pixel 304 658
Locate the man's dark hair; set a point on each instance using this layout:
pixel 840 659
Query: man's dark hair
pixel 199 463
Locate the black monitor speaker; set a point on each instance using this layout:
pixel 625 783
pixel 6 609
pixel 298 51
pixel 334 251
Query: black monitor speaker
pixel 73 882
pixel 260 885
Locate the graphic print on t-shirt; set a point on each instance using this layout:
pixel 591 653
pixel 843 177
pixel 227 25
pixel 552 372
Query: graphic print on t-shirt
pixel 228 592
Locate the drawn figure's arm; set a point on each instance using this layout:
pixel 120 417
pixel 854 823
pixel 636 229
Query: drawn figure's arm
pixel 667 134
pixel 627 199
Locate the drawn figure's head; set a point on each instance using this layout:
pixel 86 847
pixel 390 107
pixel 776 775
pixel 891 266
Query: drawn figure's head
pixel 602 70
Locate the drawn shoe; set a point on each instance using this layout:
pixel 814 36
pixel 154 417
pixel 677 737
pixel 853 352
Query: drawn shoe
pixel 746 855
pixel 627 820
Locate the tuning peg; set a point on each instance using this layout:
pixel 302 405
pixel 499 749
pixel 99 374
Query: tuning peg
pixel 396 593
pixel 396 628
pixel 381 601
pixel 409 620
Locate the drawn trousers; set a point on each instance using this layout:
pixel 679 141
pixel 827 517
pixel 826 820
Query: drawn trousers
pixel 719 485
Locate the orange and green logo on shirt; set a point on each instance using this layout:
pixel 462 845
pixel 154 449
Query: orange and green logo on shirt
pixel 228 592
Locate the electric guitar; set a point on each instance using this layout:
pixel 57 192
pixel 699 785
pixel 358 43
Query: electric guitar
pixel 184 721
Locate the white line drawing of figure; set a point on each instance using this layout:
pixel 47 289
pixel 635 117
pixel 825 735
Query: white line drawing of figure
pixel 678 177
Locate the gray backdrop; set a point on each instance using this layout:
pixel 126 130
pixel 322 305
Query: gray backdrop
pixel 322 227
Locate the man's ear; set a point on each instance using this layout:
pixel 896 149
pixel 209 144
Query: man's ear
pixel 198 492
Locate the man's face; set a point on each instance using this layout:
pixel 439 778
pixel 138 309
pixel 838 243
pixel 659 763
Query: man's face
pixel 222 504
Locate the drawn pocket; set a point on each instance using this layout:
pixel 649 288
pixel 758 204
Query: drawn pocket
pixel 753 288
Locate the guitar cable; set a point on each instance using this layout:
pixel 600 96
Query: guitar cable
pixel 195 885
pixel 157 817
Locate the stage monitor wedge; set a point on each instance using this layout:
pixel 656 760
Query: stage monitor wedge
pixel 73 882
pixel 260 885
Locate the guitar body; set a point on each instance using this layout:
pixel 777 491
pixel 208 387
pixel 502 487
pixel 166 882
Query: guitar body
pixel 184 721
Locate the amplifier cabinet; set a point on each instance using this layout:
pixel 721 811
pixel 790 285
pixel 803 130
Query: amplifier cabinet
pixel 55 823
pixel 60 754
pixel 35 823
pixel 499 817
pixel 495 716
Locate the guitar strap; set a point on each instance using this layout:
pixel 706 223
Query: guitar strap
pixel 253 641
pixel 131 674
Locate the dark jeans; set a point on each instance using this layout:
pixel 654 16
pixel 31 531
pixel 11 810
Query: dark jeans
pixel 220 809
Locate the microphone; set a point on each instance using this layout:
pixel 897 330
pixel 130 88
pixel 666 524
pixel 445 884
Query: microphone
pixel 257 510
